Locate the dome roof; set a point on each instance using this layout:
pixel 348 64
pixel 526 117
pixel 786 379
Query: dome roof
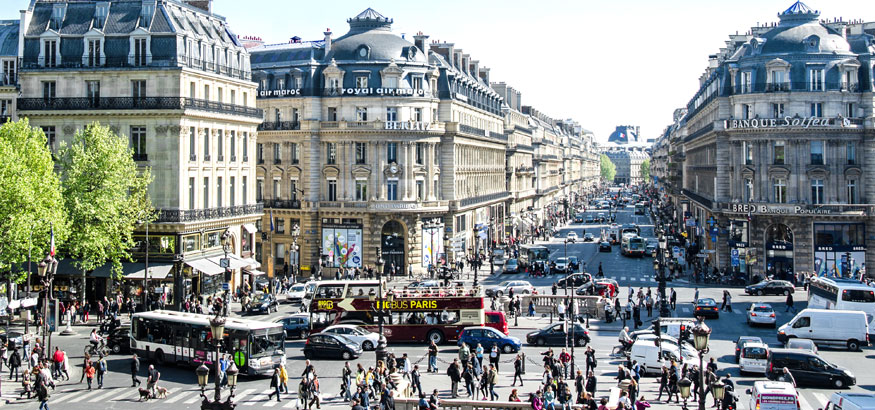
pixel 370 37
pixel 800 32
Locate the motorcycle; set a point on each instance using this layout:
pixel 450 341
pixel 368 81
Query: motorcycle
pixel 109 325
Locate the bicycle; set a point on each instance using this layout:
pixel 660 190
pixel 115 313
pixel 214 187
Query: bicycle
pixel 92 350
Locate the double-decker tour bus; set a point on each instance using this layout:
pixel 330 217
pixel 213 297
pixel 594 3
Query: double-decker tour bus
pixel 166 336
pixel 418 314
pixel 531 254
pixel 842 294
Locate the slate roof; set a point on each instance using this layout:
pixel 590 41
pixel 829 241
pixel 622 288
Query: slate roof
pixel 123 17
pixel 9 37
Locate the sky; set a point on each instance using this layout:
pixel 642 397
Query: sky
pixel 601 63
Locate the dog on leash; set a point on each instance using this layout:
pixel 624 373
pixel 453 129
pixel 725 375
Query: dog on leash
pixel 145 394
pixel 160 392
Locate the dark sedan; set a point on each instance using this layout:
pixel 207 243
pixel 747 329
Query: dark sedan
pixel 575 280
pixel 119 340
pixel 707 307
pixel 329 346
pixel 770 287
pixel 605 247
pixel 296 326
pixel 555 335
pixel 262 303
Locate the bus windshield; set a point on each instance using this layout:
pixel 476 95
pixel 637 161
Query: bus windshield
pixel 266 344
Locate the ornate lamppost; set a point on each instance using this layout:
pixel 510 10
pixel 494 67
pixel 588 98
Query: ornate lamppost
pixel 46 270
pixel 701 336
pixel 217 327
pixel 380 351
pixel 684 386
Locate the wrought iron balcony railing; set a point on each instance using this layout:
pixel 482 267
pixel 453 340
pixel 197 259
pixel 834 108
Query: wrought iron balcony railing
pixel 135 103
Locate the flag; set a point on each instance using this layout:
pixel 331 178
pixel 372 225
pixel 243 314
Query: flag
pixel 271 220
pixel 52 246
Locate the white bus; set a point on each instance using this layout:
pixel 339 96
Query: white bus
pixel 842 294
pixel 165 336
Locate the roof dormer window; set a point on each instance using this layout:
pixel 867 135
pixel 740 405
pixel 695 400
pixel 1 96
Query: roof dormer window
pixel 58 13
pixel 146 12
pixel 100 13
pixel 363 52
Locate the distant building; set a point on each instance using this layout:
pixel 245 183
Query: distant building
pixel 627 161
pixel 625 134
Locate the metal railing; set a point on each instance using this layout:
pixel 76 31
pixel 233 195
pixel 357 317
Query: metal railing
pixel 39 63
pixel 135 103
pixel 472 130
pixel 196 215
pixel 277 126
pixel 282 203
pixel 801 86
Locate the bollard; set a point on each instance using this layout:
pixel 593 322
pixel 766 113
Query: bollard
pixel 524 363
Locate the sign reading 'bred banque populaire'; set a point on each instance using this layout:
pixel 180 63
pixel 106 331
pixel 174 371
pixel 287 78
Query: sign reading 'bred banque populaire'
pixel 787 123
pixel 776 209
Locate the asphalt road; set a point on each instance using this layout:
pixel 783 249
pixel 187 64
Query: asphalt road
pixel 636 272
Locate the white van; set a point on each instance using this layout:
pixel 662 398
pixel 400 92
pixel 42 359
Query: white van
pixel 850 401
pixel 769 395
pixel 646 352
pixel 754 358
pixel 848 328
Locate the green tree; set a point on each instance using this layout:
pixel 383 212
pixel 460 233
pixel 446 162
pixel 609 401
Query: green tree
pixel 30 197
pixel 609 170
pixel 105 194
pixel 645 170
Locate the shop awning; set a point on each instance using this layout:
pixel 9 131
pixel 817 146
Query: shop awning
pixel 251 262
pixel 250 228
pixel 206 266
pixel 157 271
pixel 236 261
pixel 254 272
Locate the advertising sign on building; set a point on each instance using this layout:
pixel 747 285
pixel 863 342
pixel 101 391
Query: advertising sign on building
pixel 432 245
pixel 342 245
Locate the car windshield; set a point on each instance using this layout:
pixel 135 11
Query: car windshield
pixel 505 283
pixel 264 297
pixel 707 302
pixel 266 342
pixel 561 260
pixel 299 288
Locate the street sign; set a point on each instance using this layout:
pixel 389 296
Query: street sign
pixel 676 252
pixel 226 286
pixel 225 263
pixel 733 257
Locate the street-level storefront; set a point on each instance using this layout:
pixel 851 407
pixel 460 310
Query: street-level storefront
pixel 392 247
pixel 839 249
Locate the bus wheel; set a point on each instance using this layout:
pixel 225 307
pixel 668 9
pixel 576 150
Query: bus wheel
pixel 436 336
pixel 159 357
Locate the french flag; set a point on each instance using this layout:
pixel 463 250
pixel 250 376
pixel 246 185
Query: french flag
pixel 52 246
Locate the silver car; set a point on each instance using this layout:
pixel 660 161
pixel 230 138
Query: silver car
pixel 761 314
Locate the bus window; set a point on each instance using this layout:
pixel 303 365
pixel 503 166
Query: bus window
pixel 858 295
pixel 265 344
pixel 329 292
pixel 361 291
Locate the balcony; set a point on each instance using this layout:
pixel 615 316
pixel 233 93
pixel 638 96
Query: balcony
pixel 192 157
pixel 135 103
pixel 796 86
pixel 282 203
pixel 197 215
pixel 141 157
pixel 279 126
pixel 467 129
pixel 483 198
pixel 33 63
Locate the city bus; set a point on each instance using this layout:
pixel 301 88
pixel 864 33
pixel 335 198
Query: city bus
pixel 633 245
pixel 530 254
pixel 419 314
pixel 633 229
pixel 842 294
pixel 165 336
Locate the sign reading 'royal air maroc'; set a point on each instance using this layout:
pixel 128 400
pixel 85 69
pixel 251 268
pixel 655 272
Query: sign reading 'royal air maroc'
pixel 787 122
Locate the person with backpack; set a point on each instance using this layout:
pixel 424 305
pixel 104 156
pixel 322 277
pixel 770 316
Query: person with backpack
pixel 14 364
pixel 101 370
pixel 314 392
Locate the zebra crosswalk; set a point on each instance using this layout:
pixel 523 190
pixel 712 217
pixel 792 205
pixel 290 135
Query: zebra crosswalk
pixel 621 279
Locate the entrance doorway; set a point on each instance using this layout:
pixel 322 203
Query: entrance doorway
pixel 393 248
pixel 779 252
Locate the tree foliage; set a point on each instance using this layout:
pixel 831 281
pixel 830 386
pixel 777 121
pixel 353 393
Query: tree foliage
pixel 105 194
pixel 30 196
pixel 645 170
pixel 609 170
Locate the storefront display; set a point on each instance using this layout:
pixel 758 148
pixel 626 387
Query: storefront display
pixel 839 249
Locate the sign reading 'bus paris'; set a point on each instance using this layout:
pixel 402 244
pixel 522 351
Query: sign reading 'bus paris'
pixel 353 304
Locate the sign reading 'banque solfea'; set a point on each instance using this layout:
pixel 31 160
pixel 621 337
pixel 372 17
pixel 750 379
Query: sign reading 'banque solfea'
pixel 787 122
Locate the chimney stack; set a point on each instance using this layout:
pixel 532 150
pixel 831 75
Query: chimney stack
pixel 419 40
pixel 327 40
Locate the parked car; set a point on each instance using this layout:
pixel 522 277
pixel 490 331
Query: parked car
pixel 296 294
pixel 365 338
pixel 556 335
pixel 573 263
pixel 296 326
pixel 575 280
pixel 770 287
pixel 119 340
pixel 761 314
pixel 707 307
pixel 605 246
pixel 741 341
pixel 559 265
pixel 803 344
pixel 488 336
pixel 512 266
pixel 588 237
pixel 330 346
pixel 571 237
pixel 808 369
pixel 520 287
pixel 262 303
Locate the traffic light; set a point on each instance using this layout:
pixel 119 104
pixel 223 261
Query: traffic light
pixel 656 329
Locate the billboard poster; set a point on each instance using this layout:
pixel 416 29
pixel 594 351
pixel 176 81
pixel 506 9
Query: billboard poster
pixel 831 263
pixel 432 245
pixel 342 246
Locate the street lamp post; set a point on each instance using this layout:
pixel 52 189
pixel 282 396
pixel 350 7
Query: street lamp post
pixel 701 335
pixel 217 327
pixel 46 270
pixel 226 246
pixel 381 344
pixel 684 386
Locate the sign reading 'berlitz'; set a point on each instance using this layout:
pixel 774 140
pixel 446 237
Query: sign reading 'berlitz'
pixel 787 122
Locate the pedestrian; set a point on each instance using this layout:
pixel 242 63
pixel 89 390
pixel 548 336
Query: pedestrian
pixel 648 302
pixel 65 365
pixel 152 380
pixel 101 370
pixel 663 383
pixel 531 308
pixel 57 360
pixel 275 384
pixel 591 383
pixel 455 376
pixel 42 393
pixel 517 370
pixel 346 382
pixel 14 364
pixel 790 303
pixel 135 370
pixel 89 373
pixel 494 356
pixel 470 377
pixel 304 394
pixel 696 296
pixel 416 379
pixel 464 354
pixel 641 404
pixel 432 357
pixel 493 380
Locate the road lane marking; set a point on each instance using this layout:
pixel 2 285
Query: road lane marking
pixel 685 309
pixel 256 398
pixel 87 394
pixel 108 393
pixel 67 394
pixel 178 396
pixel 804 403
pixel 821 399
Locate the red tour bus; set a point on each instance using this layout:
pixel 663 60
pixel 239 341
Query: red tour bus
pixel 410 315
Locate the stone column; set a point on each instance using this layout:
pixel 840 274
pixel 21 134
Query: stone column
pixel 381 184
pixel 404 161
pixel 411 177
pixel 374 180
pixel 429 171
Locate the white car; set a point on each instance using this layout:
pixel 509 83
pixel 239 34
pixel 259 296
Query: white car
pixel 519 287
pixel 761 314
pixel 366 339
pixel 297 293
pixel 571 237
